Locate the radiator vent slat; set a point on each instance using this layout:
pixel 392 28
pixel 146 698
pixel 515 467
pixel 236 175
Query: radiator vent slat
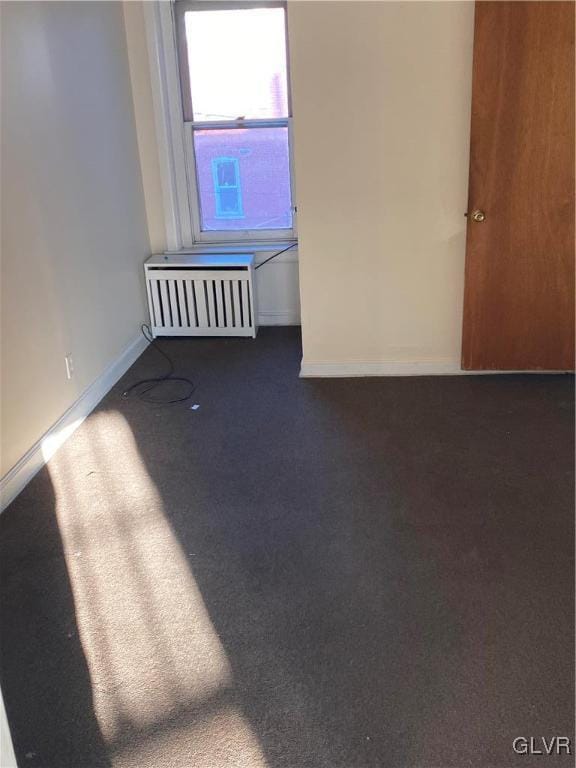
pixel 182 303
pixel 191 304
pixel 212 318
pixel 174 313
pixel 228 319
pixel 246 304
pixel 236 303
pixel 165 306
pixel 201 308
pixel 155 311
pixel 220 319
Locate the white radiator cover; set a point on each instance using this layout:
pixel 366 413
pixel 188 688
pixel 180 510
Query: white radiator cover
pixel 201 294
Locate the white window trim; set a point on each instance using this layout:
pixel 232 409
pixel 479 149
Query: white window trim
pixel 175 153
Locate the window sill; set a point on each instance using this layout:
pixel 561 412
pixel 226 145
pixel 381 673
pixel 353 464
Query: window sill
pixel 261 250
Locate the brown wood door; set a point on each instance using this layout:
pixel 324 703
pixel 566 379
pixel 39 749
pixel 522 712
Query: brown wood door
pixel 519 285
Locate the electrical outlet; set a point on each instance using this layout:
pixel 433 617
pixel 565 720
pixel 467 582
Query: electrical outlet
pixel 69 366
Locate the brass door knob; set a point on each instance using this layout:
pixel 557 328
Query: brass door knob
pixel 478 215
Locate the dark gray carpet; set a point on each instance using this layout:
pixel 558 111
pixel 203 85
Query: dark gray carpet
pixel 321 574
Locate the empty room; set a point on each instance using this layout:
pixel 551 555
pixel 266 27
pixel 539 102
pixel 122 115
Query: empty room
pixel 287 384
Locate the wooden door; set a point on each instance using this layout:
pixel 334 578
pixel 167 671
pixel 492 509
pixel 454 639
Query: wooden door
pixel 519 285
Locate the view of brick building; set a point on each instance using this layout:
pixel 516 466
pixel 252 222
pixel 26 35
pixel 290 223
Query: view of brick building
pixel 244 178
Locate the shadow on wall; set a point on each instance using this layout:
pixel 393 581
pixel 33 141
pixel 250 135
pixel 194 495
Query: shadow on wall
pixel 268 586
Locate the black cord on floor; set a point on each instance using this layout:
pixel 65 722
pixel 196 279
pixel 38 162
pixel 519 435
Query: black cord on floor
pixel 142 388
pixel 274 255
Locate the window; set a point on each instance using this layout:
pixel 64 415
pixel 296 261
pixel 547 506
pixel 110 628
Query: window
pixel 227 188
pixel 235 102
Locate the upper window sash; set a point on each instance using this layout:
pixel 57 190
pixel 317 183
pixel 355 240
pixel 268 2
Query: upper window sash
pixel 181 7
pixel 226 5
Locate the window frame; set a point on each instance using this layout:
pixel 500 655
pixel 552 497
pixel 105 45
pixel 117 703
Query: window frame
pixel 179 8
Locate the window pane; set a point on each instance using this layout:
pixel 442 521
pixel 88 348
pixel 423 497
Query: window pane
pixel 237 63
pixel 243 179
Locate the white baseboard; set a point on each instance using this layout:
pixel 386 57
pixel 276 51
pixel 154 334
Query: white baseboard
pixel 441 367
pixel 438 367
pixel 32 462
pixel 278 318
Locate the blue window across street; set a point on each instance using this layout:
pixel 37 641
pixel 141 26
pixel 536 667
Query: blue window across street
pixel 227 189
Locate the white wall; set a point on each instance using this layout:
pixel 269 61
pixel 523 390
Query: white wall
pixel 145 125
pixel 74 233
pixel 381 94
